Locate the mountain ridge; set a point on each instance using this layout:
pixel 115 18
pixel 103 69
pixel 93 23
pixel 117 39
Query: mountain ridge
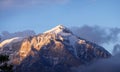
pixel 58 47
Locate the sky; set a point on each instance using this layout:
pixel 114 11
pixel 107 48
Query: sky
pixel 41 15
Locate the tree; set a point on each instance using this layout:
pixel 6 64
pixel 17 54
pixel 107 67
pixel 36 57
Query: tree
pixel 4 67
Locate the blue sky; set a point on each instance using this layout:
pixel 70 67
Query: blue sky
pixel 44 14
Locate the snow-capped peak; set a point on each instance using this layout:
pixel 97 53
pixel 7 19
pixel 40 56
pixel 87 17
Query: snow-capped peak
pixel 60 29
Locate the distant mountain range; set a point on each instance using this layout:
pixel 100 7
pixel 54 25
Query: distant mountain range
pixel 6 35
pixel 56 50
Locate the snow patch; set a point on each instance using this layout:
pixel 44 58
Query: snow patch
pixel 60 30
pixel 57 29
pixel 9 41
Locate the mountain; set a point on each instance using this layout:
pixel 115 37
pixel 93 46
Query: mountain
pixel 56 50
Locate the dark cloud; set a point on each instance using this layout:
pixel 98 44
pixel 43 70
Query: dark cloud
pixel 6 35
pixel 94 34
pixel 97 34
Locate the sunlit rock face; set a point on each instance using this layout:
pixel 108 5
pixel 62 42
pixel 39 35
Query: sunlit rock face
pixel 56 50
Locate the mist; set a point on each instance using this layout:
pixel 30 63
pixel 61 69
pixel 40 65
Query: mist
pixel 104 65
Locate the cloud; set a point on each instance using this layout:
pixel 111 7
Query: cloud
pixel 6 35
pixel 114 32
pixel 6 4
pixel 105 65
pixel 116 49
pixel 97 34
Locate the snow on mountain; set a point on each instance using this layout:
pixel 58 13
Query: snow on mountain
pixel 60 29
pixel 55 50
pixel 10 41
pixel 57 29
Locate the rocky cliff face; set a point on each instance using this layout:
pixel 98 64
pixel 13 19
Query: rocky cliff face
pixel 56 50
